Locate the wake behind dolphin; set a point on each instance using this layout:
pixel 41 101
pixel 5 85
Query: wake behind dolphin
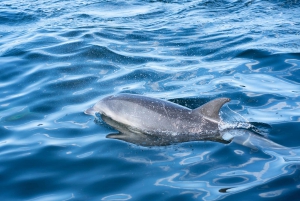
pixel 153 122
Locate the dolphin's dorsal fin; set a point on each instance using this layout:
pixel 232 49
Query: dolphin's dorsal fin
pixel 211 109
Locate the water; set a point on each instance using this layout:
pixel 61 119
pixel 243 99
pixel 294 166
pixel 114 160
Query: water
pixel 58 58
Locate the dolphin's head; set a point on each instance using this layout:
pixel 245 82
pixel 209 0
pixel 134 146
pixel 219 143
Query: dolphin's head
pixel 102 106
pixel 108 106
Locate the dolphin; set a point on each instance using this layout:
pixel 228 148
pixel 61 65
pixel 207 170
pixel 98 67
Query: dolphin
pixel 154 122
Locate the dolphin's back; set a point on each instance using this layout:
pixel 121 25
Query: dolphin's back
pixel 148 114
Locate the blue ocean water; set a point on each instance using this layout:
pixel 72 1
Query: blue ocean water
pixel 57 58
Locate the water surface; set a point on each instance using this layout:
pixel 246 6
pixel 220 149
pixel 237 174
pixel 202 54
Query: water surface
pixel 58 58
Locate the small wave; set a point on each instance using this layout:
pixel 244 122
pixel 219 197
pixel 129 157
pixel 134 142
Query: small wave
pixel 17 18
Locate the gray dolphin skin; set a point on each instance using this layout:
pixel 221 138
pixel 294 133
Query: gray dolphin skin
pixel 154 122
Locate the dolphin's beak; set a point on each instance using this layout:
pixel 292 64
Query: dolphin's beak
pixel 90 111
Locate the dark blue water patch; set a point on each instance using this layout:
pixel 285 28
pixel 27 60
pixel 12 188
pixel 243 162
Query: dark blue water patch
pixel 278 61
pixel 71 83
pixel 286 4
pixel 97 52
pixel 294 73
pixel 5 134
pixel 15 52
pixel 39 56
pixel 73 33
pixel 275 189
pixel 20 115
pixel 290 137
pixel 11 70
pixel 66 48
pixel 232 180
pixel 111 34
pixel 17 18
pixel 260 100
